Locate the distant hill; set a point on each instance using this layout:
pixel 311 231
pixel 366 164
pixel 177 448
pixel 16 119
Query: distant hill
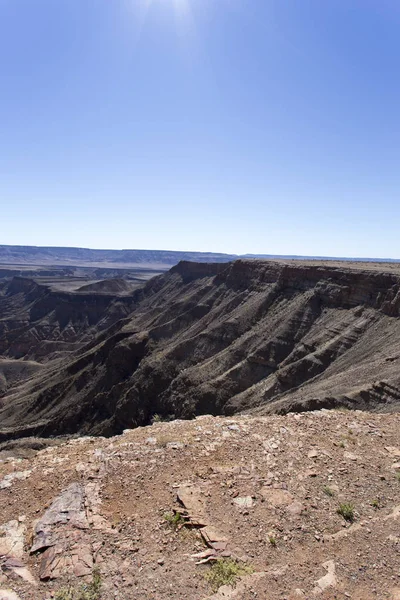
pixel 114 285
pixel 37 255
pixel 319 258
pixel 160 259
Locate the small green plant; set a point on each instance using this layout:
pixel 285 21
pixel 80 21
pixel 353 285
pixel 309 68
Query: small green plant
pixel 89 591
pixel 342 444
pixel 346 510
pixel 398 476
pixel 95 586
pixel 375 503
pixel 226 571
pixel 328 491
pixel 65 593
pixel 174 519
pixel 156 419
pixel 272 540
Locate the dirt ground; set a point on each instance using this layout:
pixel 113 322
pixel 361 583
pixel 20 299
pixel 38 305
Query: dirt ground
pixel 151 511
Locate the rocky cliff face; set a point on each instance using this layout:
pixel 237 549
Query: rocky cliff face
pixel 36 322
pixel 207 338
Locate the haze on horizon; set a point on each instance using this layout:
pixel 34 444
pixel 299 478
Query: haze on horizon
pixel 265 128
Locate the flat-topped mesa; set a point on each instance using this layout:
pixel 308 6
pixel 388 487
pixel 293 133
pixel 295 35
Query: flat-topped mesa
pixel 23 285
pixel 336 286
pixel 196 270
pixel 347 287
pixel 249 274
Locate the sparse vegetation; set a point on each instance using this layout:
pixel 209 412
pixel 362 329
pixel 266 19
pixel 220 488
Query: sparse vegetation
pixel 174 519
pixel 165 439
pixel 347 439
pixel 226 571
pixel 115 521
pixel 157 419
pixel 89 591
pixel 346 510
pixel 328 491
pixel 398 476
pixel 375 503
pixel 272 540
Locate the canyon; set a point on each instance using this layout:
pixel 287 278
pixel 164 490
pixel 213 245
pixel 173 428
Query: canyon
pixel 251 336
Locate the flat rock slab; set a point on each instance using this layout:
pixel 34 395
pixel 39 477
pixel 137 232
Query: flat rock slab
pixel 343 533
pixel 350 456
pixel 12 535
pixel 8 480
pixel 62 534
pixel 212 535
pixel 295 509
pixel 395 514
pixel 327 581
pixel 244 502
pixel 17 566
pixel 69 556
pixel 278 498
pixel 393 451
pixel 92 505
pixel 191 498
pixel 12 539
pixel 8 595
pixel 69 509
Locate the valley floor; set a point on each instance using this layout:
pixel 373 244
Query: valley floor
pixel 151 511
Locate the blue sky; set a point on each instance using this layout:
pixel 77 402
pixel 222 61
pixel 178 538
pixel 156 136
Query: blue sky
pixel 259 126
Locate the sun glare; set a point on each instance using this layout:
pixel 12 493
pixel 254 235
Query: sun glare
pixel 181 8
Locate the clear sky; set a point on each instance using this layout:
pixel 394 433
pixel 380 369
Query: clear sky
pixel 246 126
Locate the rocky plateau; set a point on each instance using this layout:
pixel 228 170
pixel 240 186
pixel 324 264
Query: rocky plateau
pixel 302 505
